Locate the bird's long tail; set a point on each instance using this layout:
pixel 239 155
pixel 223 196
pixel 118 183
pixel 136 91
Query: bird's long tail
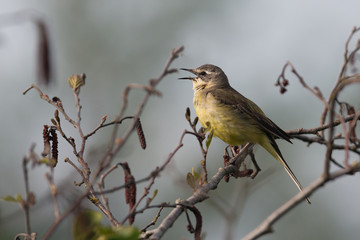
pixel 274 150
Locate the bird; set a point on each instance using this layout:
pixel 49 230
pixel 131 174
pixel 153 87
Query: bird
pixel 236 120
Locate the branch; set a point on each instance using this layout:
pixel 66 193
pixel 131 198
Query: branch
pixel 315 130
pixel 266 225
pixel 199 195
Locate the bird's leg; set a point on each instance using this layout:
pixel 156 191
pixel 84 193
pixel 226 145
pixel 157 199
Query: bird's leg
pixel 226 158
pixel 256 166
pixel 234 150
pixel 239 173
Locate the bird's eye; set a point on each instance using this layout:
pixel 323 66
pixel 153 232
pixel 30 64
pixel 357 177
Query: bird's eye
pixel 203 73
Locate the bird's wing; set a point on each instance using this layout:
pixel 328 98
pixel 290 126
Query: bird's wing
pixel 245 106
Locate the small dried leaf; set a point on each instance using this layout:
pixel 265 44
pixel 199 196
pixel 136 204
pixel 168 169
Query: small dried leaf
pixel 196 175
pixel 190 180
pixel 209 138
pixel 77 80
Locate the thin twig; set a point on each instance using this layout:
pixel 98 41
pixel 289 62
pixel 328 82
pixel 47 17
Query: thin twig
pixel 153 222
pixel 116 122
pixel 101 124
pixel 67 160
pixel 47 99
pixel 315 130
pixel 27 192
pixel 53 190
pixel 348 57
pixel 341 84
pixel 104 199
pixel 102 177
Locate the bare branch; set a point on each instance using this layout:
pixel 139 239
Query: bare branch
pixel 266 226
pixel 199 195
pixel 53 191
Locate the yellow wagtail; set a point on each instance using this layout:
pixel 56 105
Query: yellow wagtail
pixel 233 118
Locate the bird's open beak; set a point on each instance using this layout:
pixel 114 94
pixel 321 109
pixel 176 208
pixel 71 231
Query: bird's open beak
pixel 187 78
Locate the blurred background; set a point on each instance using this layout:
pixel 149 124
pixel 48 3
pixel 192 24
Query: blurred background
pixel 120 42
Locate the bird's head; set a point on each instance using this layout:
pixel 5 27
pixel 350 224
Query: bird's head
pixel 207 76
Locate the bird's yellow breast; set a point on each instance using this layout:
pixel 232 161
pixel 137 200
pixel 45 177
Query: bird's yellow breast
pixel 227 123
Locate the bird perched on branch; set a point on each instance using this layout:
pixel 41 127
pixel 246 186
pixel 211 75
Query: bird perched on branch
pixel 233 118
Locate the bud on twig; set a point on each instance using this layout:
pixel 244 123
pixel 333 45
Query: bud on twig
pixel 187 114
